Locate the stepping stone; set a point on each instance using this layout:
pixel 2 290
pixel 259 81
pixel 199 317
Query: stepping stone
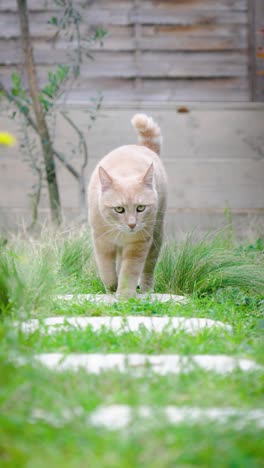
pixel 112 298
pixel 162 364
pixel 116 417
pixel 122 324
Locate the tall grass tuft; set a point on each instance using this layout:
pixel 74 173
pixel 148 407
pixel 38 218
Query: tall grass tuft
pixel 32 270
pixel 9 279
pixel 202 267
pixel 77 271
pixel 27 278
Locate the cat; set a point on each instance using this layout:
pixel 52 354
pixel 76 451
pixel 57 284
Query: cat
pixel 127 198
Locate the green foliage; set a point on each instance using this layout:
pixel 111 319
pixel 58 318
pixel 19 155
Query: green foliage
pixel 258 246
pixel 49 92
pixel 32 271
pixel 53 88
pixel 69 21
pixel 20 93
pixel 76 269
pixel 205 266
pixel 17 89
pixel 48 412
pixel 54 21
pixel 61 80
pixel 26 279
pixel 98 35
pixel 8 275
pixel 63 263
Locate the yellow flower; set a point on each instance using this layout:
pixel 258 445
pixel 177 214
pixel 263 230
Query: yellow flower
pixel 7 139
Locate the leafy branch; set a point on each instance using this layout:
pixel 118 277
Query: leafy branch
pixel 70 23
pixel 43 100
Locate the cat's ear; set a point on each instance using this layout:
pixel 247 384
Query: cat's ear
pixel 105 179
pixel 148 177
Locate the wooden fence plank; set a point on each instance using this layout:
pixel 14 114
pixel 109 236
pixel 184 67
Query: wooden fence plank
pixel 189 40
pixel 219 5
pixel 143 16
pixel 171 64
pixel 197 39
pixel 256 49
pixel 179 90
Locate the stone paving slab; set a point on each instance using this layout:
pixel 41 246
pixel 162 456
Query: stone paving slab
pixel 116 417
pixel 113 298
pixel 51 325
pixel 137 364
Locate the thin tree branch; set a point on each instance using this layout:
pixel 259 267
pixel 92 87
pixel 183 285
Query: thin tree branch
pixel 41 123
pixel 82 140
pixel 31 122
pixel 78 176
pixel 82 190
pixel 15 101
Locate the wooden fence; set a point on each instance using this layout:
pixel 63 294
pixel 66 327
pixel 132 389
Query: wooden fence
pixel 155 50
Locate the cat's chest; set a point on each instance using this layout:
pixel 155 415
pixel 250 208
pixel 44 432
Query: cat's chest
pixel 107 235
pixel 121 239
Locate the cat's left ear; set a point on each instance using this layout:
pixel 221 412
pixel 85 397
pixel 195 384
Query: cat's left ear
pixel 105 179
pixel 148 177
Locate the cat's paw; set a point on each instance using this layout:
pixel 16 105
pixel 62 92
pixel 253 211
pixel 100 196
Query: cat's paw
pixel 147 284
pixel 111 288
pixel 125 293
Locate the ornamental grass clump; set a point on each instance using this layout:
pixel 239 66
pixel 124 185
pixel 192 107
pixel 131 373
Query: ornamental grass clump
pixel 76 267
pixel 202 267
pixel 27 278
pixel 8 276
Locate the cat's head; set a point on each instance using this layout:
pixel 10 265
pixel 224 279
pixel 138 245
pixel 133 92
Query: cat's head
pixel 128 204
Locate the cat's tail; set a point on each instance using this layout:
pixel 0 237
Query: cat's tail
pixel 149 133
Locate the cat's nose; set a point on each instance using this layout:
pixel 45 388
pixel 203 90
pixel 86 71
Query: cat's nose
pixel 132 225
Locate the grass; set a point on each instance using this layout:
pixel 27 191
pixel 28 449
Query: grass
pixel 207 265
pixel 223 281
pixel 34 270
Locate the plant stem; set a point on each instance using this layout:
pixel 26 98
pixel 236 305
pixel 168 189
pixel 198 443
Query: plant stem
pixel 81 178
pixel 39 113
pixel 78 176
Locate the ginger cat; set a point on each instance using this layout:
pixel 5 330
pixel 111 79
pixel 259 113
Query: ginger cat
pixel 127 197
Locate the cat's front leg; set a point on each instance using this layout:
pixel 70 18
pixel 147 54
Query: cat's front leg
pixel 132 264
pixel 147 278
pixel 106 261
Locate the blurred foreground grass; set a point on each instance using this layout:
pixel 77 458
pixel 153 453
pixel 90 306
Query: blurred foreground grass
pixel 223 282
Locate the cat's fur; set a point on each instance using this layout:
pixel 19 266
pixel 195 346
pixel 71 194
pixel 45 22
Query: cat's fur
pixel 127 244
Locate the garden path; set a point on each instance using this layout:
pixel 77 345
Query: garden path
pixel 118 416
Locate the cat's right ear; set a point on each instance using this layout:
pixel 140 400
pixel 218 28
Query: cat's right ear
pixel 105 179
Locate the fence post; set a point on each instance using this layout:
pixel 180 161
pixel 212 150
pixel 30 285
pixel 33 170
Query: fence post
pixel 256 49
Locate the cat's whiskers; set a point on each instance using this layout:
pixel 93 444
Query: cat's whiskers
pixel 154 242
pixel 106 233
pixel 117 236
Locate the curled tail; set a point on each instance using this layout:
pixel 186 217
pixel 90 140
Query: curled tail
pixel 149 133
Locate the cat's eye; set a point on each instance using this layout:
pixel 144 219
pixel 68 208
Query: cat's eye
pixel 140 208
pixel 119 209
